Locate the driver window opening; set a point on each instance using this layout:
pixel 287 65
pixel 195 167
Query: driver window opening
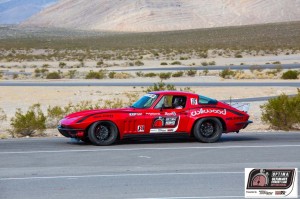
pixel 171 102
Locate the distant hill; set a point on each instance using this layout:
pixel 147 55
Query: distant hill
pixel 163 15
pixel 16 11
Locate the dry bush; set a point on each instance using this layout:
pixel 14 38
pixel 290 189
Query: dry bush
pixel 121 75
pixel 29 123
pixel 282 112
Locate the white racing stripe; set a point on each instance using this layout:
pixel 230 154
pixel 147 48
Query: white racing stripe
pixel 121 175
pixel 144 149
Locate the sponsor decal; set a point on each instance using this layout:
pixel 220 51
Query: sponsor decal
pixel 271 183
pixel 153 114
pixel 165 125
pixel 141 128
pixel 170 114
pixel 206 111
pixel 135 114
pixel 194 101
pixel 159 122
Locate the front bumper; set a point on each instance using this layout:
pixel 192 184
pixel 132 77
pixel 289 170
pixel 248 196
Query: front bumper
pixel 70 133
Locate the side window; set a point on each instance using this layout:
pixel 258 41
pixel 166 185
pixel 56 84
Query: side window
pixel 171 102
pixel 166 101
pixel 206 100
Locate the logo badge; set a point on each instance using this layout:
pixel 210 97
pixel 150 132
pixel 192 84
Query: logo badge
pixel 271 183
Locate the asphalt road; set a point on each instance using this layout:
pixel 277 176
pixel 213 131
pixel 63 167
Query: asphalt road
pixel 164 168
pixel 121 83
pixel 234 67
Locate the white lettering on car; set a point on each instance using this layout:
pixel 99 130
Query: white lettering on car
pixel 170 114
pixel 135 114
pixel 206 111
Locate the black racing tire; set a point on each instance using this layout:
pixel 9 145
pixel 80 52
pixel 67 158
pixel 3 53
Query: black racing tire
pixel 208 130
pixel 103 133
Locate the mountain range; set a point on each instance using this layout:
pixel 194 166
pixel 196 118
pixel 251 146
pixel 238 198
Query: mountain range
pixel 160 15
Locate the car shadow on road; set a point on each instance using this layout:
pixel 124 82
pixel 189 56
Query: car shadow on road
pixel 229 138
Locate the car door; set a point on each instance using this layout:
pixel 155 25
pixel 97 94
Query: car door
pixel 165 118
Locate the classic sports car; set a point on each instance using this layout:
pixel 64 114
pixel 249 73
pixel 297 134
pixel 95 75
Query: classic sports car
pixel 157 113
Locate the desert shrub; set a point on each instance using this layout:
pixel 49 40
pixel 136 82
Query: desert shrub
pixel 95 75
pixel 1 75
pixel 37 70
pixel 176 63
pixel 282 112
pixel 15 76
pixel 71 73
pixel 212 63
pixel 161 87
pixel 150 74
pixel 226 73
pixel 205 72
pixel 3 116
pixel 53 75
pixel 238 55
pixel 191 73
pixel 62 64
pixel 99 63
pixel 187 89
pixel 122 75
pixel 111 75
pixel 276 62
pixel 164 76
pixel 272 72
pixel 290 74
pixel 256 68
pixel 163 63
pixel 139 63
pixel 139 74
pixel 54 114
pixel 44 70
pixel 29 123
pixel 177 74
pixel 204 63
pixel 183 58
pixel 115 103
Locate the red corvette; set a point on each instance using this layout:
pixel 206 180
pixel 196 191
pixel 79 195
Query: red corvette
pixel 156 113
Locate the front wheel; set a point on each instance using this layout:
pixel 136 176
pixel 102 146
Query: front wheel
pixel 208 130
pixel 103 133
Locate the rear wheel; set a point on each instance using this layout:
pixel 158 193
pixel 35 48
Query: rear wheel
pixel 103 133
pixel 208 130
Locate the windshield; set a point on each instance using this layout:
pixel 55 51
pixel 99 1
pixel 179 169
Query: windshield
pixel 146 101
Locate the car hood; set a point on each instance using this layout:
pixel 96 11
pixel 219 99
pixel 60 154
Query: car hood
pixel 97 111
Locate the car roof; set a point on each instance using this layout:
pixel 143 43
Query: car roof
pixel 174 93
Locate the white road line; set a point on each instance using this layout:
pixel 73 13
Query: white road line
pixel 121 175
pixel 144 149
pixel 200 197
